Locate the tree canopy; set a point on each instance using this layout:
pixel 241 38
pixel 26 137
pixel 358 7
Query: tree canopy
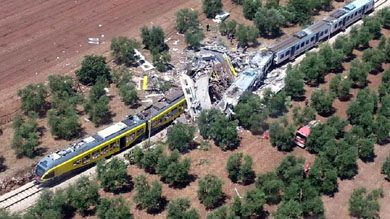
pixel 113 174
pixel 148 194
pixel 238 170
pixel 180 136
pixel 269 21
pixel 26 136
pixel 210 191
pixel 33 98
pixel 92 68
pixel 83 194
pixel 114 208
pixel 213 124
pixel 123 50
pixel 364 204
pixel 180 209
pixel 97 105
pixel 153 39
pixel 186 19
pixel 212 7
pixel 322 102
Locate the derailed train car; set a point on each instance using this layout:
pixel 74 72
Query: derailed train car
pixel 112 139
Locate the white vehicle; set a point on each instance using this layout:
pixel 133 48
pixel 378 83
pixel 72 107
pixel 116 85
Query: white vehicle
pixel 221 17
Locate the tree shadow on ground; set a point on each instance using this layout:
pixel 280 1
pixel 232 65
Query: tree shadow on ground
pixel 126 188
pixel 369 159
pixel 163 203
pixel 328 114
pixel 3 167
pixel 190 179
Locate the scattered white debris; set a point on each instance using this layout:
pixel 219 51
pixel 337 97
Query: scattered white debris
pixel 58 57
pixel 92 40
pixel 147 101
pixel 106 89
pixel 238 194
pixel 221 17
pixel 102 36
pixel 87 120
pixel 175 42
pixel 100 25
pixel 175 49
pixel 153 95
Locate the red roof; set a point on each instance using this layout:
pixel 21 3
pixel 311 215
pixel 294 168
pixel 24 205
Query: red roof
pixel 305 130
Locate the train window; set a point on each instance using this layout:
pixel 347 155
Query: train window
pixel 312 39
pixel 114 145
pixel 174 111
pixel 77 162
pixel 355 13
pixel 335 26
pixel 104 150
pixel 307 41
pixel 326 31
pixel 322 33
pixel 130 137
pixel 95 154
pixel 288 52
pixel 86 158
pixel 282 56
pixel 140 132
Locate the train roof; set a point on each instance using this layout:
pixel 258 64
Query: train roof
pixel 90 142
pixel 296 37
pixel 156 108
pixel 316 27
pixel 284 43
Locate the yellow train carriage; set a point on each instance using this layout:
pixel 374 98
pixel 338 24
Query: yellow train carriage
pixel 168 115
pixel 101 150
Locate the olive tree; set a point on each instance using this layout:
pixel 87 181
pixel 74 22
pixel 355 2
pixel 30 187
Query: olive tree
pixel 180 136
pixel 33 98
pixel 186 19
pixel 113 174
pixel 238 170
pixel 322 102
pixel 212 7
pixel 26 136
pixel 114 208
pixel 148 194
pixel 123 50
pixel 180 209
pixel 364 204
pixel 210 191
pixel 386 168
pixel 92 68
pixel 83 194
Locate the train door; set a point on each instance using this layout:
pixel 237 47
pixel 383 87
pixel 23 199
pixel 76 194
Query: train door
pixel 122 142
pixel 364 9
pixel 344 21
pixel 317 36
pixel 292 51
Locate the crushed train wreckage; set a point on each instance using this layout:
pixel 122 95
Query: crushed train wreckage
pixel 216 77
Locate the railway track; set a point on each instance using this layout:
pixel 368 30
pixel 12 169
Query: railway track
pixel 19 194
pixel 378 3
